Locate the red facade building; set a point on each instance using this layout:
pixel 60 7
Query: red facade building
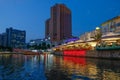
pixel 59 26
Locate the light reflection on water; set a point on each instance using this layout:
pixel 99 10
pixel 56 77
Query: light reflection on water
pixel 50 67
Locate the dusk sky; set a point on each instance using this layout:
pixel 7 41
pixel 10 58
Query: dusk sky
pixel 30 15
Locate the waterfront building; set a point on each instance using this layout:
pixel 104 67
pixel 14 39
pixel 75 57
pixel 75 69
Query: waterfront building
pixel 85 36
pixel 15 38
pixel 88 36
pixel 112 25
pixel 111 29
pixel 35 42
pixel 39 41
pixel 0 39
pixel 59 26
pixel 3 39
pixel 108 37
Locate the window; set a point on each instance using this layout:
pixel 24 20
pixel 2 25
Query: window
pixel 118 24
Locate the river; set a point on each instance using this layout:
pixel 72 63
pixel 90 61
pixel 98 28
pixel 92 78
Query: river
pixel 51 67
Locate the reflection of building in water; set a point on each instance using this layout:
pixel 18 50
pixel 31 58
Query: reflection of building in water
pixel 92 68
pixel 10 59
pixel 104 69
pixel 54 69
pixel 75 64
pixel 48 61
pixel 75 60
pixel 11 66
pixel 110 75
pixel 80 67
pixel 110 69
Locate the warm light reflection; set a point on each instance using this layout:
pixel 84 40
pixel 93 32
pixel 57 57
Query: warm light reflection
pixel 75 60
pixel 110 76
pixel 74 64
pixel 63 66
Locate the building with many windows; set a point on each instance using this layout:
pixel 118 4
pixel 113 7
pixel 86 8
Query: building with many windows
pixel 59 26
pixel 0 39
pixel 111 29
pixel 15 38
pixel 3 39
pixel 112 25
pixel 88 36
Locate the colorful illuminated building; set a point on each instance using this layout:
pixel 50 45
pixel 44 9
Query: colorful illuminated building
pixel 112 25
pixel 111 30
pixel 109 33
pixel 87 36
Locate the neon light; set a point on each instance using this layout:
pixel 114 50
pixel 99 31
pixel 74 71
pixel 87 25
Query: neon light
pixel 78 53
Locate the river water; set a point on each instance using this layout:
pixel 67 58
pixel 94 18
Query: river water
pixel 50 67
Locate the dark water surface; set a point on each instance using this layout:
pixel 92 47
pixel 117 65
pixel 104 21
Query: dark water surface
pixel 50 67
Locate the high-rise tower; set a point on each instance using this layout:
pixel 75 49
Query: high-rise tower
pixel 60 25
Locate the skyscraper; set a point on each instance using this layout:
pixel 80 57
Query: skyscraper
pixel 60 26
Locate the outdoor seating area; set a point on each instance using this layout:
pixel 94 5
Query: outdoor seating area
pixel 106 45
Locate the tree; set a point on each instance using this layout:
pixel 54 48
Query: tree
pixel 48 46
pixel 53 45
pixel 39 46
pixel 98 35
pixel 44 46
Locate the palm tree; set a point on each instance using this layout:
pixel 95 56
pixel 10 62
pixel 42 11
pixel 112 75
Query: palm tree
pixel 97 37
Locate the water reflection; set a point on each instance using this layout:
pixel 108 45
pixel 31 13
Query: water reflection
pixel 50 67
pixel 21 67
pixel 83 68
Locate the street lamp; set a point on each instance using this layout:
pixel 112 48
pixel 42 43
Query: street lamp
pixel 97 28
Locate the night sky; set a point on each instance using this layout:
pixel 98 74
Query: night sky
pixel 30 15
